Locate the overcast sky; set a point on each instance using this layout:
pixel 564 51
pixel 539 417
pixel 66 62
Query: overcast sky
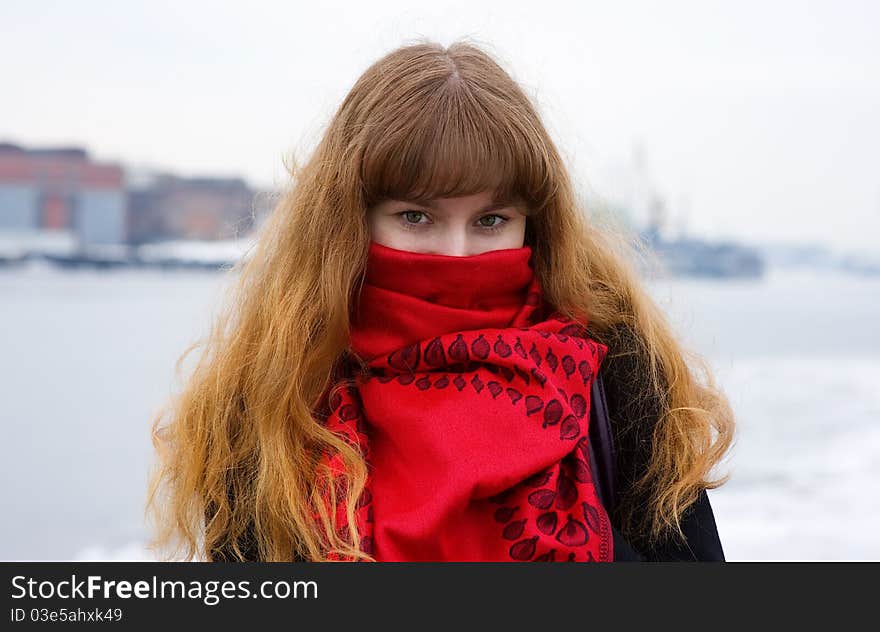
pixel 757 120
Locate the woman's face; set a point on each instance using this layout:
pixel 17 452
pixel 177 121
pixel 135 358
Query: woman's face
pixel 457 227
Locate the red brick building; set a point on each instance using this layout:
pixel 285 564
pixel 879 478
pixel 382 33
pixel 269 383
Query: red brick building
pixel 61 188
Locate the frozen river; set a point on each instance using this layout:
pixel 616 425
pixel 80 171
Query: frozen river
pixel 87 358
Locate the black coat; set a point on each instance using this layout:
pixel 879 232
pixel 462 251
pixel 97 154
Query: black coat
pixel 621 427
pixel 702 545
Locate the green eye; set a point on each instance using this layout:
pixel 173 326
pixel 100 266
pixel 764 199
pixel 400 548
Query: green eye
pixel 496 225
pixel 408 215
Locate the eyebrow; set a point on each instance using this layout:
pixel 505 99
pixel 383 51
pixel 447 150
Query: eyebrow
pixel 494 206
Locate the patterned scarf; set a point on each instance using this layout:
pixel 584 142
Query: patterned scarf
pixel 473 415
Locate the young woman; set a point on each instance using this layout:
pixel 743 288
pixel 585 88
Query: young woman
pixel 407 368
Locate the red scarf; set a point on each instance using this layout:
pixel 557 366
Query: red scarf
pixel 473 416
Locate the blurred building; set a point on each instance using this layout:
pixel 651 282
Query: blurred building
pixel 61 190
pixel 165 206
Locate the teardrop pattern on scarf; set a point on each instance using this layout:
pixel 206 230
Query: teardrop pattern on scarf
pixel 552 360
pixel 435 356
pixel 552 413
pixel 566 491
pixel 405 359
pixel 535 355
pixel 495 388
pixel 501 348
pixel 591 516
pixel 542 498
pixel 533 404
pixel 568 365
pixel 569 428
pixel 480 347
pixel 584 447
pixel 573 533
pixel 523 550
pixel 585 371
pixel 514 530
pixel 578 405
pixel 547 522
pixel 582 471
pixel 504 514
pixel 458 350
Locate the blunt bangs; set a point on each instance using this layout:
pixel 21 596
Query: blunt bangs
pixel 449 145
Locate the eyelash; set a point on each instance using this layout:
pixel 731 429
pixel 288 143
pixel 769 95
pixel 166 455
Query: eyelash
pixel 417 225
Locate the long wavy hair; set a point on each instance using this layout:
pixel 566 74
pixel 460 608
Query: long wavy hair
pixel 238 475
